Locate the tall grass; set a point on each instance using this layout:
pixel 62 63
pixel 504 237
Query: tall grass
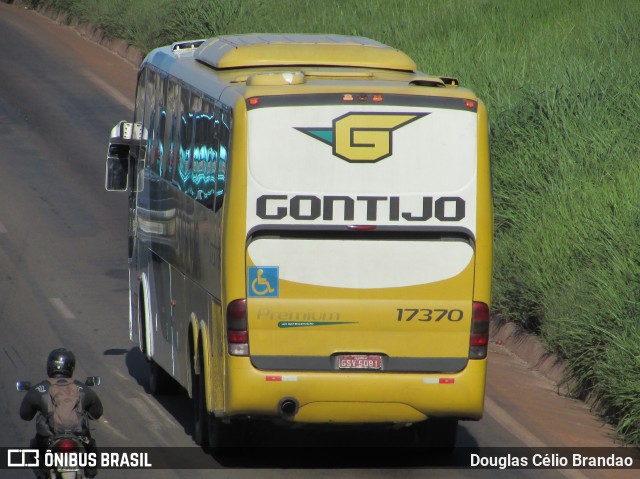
pixel 561 79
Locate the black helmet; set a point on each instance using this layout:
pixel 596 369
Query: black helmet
pixel 61 363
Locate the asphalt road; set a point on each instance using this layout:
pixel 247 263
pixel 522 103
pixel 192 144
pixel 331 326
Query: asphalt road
pixel 63 280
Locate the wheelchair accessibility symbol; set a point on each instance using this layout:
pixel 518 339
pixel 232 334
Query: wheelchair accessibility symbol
pixel 263 281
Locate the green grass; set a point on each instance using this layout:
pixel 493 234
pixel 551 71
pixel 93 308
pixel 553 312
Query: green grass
pixel 561 79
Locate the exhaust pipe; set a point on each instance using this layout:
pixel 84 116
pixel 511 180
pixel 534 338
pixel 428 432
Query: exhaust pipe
pixel 288 407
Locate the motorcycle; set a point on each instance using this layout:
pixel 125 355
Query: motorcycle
pixel 69 450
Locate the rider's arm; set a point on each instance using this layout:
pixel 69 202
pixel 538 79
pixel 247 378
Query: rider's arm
pixel 30 405
pixel 92 404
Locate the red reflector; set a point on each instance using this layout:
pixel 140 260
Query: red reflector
pixel 273 378
pixel 447 380
pixel 363 98
pixel 347 97
pixel 237 337
pixel 254 101
pixel 470 103
pixel 376 98
pixel 361 227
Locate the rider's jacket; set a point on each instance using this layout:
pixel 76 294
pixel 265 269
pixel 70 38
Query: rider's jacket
pixel 36 401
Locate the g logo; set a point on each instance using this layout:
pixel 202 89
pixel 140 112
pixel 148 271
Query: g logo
pixel 362 137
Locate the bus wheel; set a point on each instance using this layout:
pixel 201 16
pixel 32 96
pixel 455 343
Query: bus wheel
pixel 200 426
pixel 223 435
pixel 438 433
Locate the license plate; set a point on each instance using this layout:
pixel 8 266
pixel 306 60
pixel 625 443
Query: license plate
pixel 359 361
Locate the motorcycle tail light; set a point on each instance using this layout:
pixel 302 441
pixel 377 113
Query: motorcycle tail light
pixel 65 446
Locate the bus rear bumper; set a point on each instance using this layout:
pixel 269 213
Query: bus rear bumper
pixel 351 398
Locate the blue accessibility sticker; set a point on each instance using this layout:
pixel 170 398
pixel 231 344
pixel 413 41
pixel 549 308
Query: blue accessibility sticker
pixel 263 282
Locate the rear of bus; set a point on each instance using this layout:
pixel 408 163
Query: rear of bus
pixel 368 249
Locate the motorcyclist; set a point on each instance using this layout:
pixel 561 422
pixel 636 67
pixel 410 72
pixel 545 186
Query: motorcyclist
pixel 61 364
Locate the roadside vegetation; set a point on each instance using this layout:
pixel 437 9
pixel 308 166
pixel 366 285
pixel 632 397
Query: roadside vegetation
pixel 561 79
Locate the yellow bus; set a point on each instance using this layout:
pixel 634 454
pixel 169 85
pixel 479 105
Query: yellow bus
pixel 310 234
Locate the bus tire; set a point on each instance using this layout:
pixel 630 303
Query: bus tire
pixel 224 436
pixel 200 427
pixel 438 433
pixel 216 433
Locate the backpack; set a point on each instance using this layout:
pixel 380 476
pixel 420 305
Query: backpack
pixel 65 407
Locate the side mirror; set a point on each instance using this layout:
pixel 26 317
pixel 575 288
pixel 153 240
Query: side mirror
pixel 23 385
pixel 123 136
pixel 93 381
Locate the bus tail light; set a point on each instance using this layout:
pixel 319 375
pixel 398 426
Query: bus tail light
pixel 479 331
pixel 237 334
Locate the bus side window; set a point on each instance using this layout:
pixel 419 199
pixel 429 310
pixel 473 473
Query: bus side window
pixel 161 119
pixel 170 153
pixel 150 116
pixel 200 165
pixel 204 176
pixel 138 151
pixel 223 126
pixel 184 169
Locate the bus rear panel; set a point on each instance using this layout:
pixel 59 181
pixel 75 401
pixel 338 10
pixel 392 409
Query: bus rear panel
pixel 361 227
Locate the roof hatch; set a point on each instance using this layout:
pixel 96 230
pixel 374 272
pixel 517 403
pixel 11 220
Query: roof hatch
pixel 244 51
